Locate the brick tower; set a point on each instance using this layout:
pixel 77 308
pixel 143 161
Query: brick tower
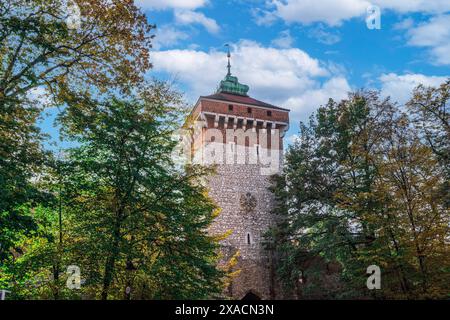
pixel 243 137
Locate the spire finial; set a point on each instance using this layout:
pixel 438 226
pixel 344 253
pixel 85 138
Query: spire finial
pixel 229 56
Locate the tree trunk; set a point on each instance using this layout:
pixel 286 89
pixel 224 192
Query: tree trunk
pixel 111 260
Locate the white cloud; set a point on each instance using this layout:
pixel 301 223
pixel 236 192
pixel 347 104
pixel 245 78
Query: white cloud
pixel 263 17
pixel 405 24
pixel 168 36
pixel 40 96
pixel 293 138
pixel 192 17
pixel 284 40
pixel 286 77
pixel 405 6
pixel 200 71
pixel 170 4
pixel 399 87
pixel 442 54
pixel 331 12
pixel 185 14
pixel 334 12
pixel 323 36
pixel 304 104
pixel 434 34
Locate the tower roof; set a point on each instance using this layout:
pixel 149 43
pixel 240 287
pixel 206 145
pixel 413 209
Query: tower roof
pixel 232 91
pixel 231 83
pixel 229 97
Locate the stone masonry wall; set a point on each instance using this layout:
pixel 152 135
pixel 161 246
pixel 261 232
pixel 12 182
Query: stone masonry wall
pixel 227 187
pixel 241 191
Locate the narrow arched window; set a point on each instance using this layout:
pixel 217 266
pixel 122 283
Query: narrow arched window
pixel 249 239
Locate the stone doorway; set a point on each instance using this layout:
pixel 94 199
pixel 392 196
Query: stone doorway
pixel 251 296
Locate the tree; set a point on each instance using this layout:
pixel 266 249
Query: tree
pixel 360 187
pixel 135 223
pixel 414 216
pixel 21 158
pixel 39 53
pixel 429 109
pixel 107 51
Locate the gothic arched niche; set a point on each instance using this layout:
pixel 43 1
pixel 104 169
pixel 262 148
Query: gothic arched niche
pixel 251 296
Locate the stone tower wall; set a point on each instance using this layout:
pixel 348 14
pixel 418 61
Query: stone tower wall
pixel 227 187
pixel 241 191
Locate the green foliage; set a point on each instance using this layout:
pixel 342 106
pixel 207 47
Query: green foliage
pixel 361 187
pixel 108 51
pixel 115 205
pixel 131 218
pixel 39 53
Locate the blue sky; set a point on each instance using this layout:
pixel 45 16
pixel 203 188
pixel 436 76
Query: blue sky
pixel 299 53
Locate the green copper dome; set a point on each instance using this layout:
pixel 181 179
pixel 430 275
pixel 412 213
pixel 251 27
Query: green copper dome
pixel 231 85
